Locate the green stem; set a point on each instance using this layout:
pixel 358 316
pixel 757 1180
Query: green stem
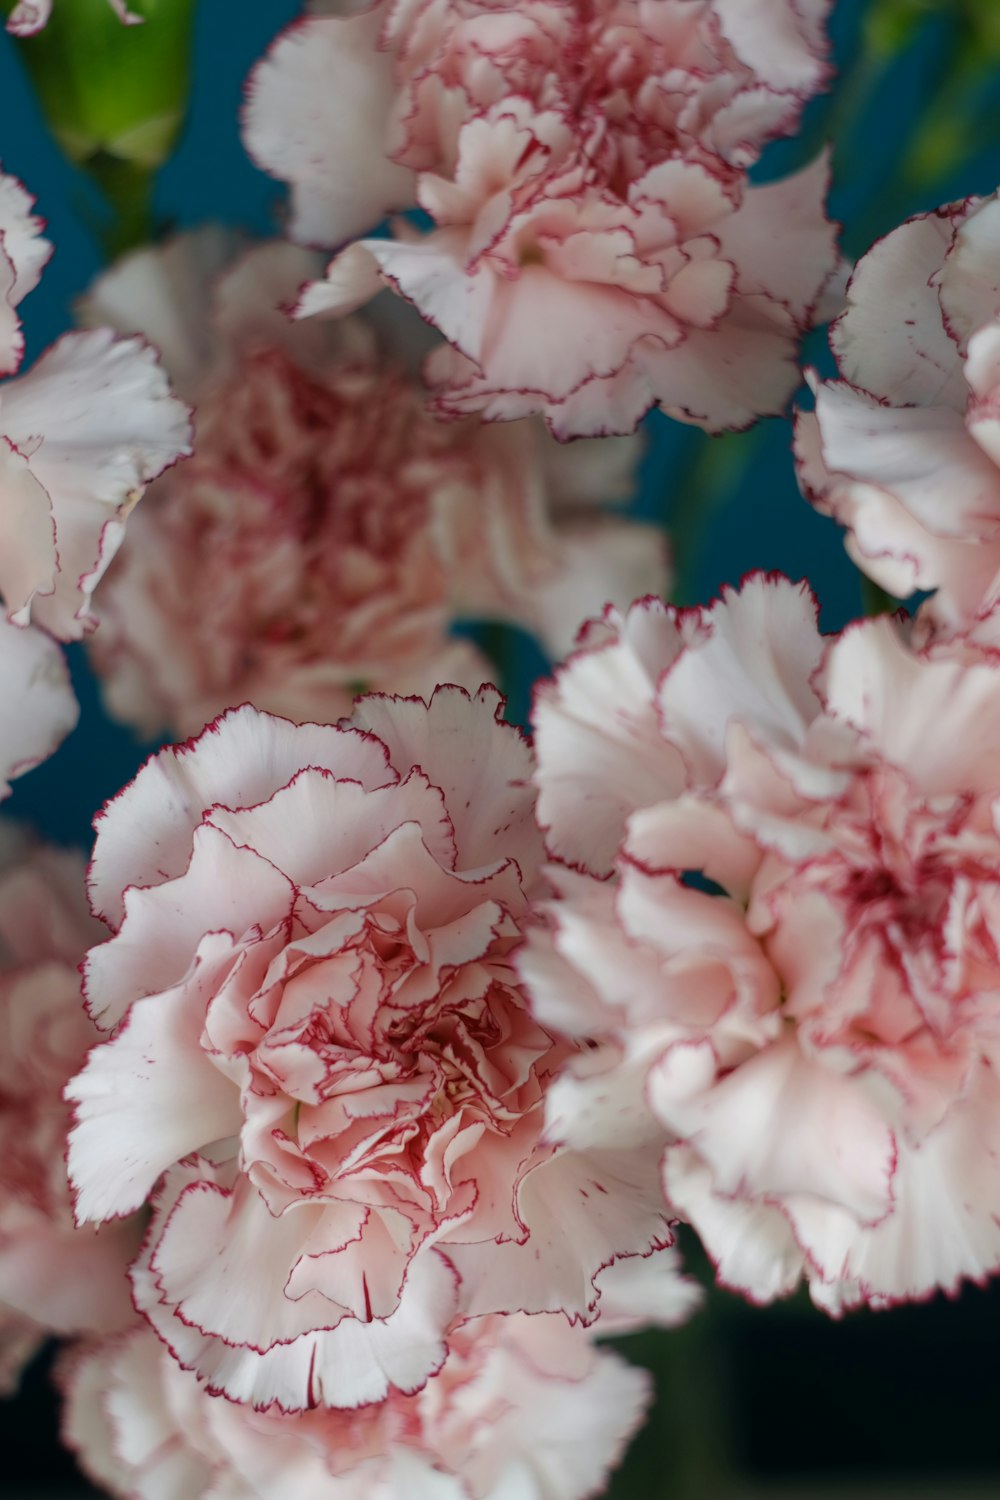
pixel 127 187
pixel 874 598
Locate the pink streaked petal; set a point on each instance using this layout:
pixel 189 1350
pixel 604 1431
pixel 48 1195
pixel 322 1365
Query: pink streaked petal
pixel 761 647
pixel 231 890
pixel 750 1243
pixel 782 1128
pixel 781 241
pixel 891 341
pixel 319 825
pixel 28 559
pixel 969 286
pixel 97 422
pixel 317 115
pixel 481 764
pixel 924 455
pixel 144 834
pixel 600 751
pixel 781 40
pixel 146 1099
pixel 581 1211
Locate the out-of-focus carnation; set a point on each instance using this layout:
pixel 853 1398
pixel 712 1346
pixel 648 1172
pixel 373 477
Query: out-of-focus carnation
pixel 595 246
pixel 323 1067
pixel 524 1406
pixel 810 1023
pixel 54 1278
pixel 329 529
pixel 81 434
pixel 29 16
pixel 904 450
pixel 39 707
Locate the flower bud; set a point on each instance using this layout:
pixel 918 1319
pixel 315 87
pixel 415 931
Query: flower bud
pixel 109 89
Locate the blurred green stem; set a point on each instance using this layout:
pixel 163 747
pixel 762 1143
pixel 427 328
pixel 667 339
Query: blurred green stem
pixel 875 599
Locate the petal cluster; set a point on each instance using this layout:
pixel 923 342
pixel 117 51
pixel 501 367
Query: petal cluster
pixel 54 1278
pixel 904 449
pixel 525 1406
pixel 595 248
pixel 328 529
pixel 81 434
pixel 322 1064
pixel 779 935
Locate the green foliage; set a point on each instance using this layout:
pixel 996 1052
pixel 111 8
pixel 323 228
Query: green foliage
pixel 112 90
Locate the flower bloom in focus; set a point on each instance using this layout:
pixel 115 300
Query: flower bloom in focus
pixel 328 529
pixel 81 434
pixel 322 1065
pixel 792 971
pixel 904 449
pixel 54 1278
pixel 595 247
pixel 523 1405
pixel 30 16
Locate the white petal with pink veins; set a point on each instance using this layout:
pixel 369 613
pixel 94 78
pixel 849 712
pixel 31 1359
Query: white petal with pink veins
pixel 600 750
pixel 760 648
pixel 780 236
pixel 892 694
pixel 782 40
pixel 317 114
pixel 969 282
pixel 319 823
pixel 750 1243
pixel 924 455
pixel 147 1098
pixel 144 834
pixel 349 1365
pixel 581 1211
pixel 944 1227
pixel 233 890
pixel 40 708
pixel 96 421
pixel 23 254
pixel 892 341
pixel 29 550
pixel 482 765
pixel 838 1151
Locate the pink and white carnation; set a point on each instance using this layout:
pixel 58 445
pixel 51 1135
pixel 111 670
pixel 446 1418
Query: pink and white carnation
pixel 328 529
pixel 595 247
pixel 809 1028
pixel 81 434
pixel 904 449
pixel 524 1406
pixel 322 1070
pixel 54 1277
pixel 30 16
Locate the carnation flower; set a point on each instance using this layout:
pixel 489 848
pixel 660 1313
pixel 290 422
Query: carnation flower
pixel 329 529
pixel 595 248
pixel 81 434
pixel 323 1068
pixel 524 1406
pixel 904 449
pixel 29 16
pixel 791 978
pixel 54 1278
